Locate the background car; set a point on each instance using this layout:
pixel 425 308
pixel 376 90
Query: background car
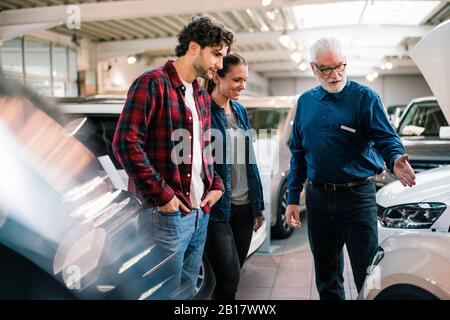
pixel 394 113
pixel 425 143
pixel 273 154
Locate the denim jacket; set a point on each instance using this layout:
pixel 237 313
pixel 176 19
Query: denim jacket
pixel 221 210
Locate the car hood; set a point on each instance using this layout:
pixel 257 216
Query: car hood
pixel 431 185
pixel 432 57
pixel 430 150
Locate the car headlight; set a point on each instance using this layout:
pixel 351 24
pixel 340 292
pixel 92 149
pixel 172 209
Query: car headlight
pixel 412 216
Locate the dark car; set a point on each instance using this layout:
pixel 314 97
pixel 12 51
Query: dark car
pixel 65 231
pixel 421 130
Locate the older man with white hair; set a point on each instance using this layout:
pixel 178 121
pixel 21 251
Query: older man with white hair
pixel 341 138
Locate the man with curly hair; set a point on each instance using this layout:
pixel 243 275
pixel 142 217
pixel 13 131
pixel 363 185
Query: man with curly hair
pixel 165 108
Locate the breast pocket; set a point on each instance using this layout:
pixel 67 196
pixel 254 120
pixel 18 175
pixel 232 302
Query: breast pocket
pixel 348 132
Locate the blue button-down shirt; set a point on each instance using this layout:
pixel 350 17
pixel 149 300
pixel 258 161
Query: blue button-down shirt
pixel 340 137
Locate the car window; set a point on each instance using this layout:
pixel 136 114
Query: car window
pixel 97 133
pixel 422 119
pixel 267 118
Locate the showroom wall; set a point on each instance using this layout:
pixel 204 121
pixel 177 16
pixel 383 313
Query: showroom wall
pixel 393 89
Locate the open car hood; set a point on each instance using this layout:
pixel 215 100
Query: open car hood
pixel 432 57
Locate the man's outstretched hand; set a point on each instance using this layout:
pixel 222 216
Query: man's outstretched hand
pixel 404 172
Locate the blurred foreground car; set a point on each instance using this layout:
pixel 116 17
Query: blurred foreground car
pixel 416 264
pixel 65 231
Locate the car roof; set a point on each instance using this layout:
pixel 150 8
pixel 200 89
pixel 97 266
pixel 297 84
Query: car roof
pixel 269 102
pixel 424 99
pixel 114 105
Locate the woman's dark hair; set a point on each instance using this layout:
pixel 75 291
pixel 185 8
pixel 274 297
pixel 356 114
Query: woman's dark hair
pixel 205 31
pixel 230 60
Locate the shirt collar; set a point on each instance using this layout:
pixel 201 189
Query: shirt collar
pixel 323 93
pixel 214 105
pixel 175 79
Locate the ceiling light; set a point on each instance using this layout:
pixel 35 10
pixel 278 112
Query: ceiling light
pixel 284 40
pixel 369 77
pixel 131 60
pixel 271 14
pixel 375 74
pixel 302 66
pixel 388 65
pixel 296 56
pixel 383 67
pixel 266 3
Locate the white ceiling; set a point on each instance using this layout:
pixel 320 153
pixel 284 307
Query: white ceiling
pixel 372 32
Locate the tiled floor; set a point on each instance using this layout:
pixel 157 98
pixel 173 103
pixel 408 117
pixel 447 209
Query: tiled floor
pixel 286 273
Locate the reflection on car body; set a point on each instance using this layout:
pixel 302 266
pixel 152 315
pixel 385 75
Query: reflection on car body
pixel 65 232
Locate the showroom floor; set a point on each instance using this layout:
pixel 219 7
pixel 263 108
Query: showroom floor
pixel 287 272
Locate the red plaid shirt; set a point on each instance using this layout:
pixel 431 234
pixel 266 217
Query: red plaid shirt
pixel 143 143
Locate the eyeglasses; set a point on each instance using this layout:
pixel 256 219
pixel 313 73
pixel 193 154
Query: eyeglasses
pixel 327 70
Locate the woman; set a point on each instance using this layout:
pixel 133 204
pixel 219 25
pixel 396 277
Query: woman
pixel 239 211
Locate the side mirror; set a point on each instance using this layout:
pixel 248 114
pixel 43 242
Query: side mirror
pixel 444 132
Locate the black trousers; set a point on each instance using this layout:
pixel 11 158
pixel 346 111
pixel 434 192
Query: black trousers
pixel 336 218
pixel 227 245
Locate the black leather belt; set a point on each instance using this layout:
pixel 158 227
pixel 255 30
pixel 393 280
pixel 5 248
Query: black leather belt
pixel 338 186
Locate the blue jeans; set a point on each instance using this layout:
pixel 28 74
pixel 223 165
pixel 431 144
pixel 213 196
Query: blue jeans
pixel 346 216
pixel 181 239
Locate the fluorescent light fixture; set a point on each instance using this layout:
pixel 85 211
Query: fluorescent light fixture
pixel 356 12
pixel 328 14
pixel 398 12
pixel 266 3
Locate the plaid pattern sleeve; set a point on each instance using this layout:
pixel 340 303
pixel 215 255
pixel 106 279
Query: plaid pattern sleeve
pixel 129 142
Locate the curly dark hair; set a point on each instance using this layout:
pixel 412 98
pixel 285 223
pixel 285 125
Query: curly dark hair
pixel 205 31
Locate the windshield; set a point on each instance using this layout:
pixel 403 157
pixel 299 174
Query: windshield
pixel 422 119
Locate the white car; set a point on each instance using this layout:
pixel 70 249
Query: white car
pixel 93 122
pixel 424 207
pixel 410 266
pixel 413 261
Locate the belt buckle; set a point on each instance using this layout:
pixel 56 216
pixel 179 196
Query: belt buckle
pixel 329 187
